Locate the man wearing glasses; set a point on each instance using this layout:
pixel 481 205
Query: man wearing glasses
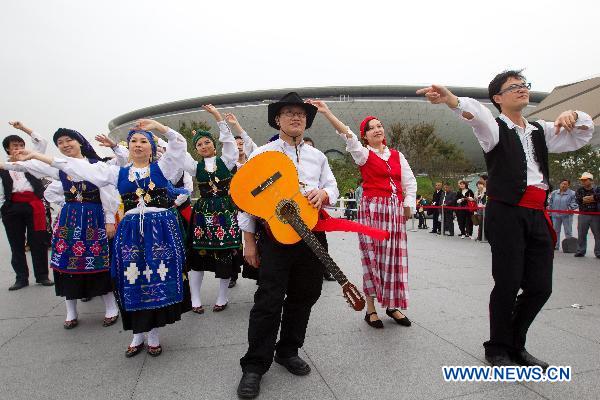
pixel 520 234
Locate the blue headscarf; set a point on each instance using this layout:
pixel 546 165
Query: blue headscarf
pixel 86 148
pixel 148 135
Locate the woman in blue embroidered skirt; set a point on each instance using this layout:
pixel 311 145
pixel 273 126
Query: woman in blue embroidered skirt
pixel 147 266
pixel 80 242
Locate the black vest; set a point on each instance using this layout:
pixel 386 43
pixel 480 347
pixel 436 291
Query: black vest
pixel 7 184
pixel 507 165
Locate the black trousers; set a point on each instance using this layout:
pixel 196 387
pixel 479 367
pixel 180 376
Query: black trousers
pixel 465 224
pixel 522 257
pixel 437 225
pixel 449 221
pixel 18 222
pixel 289 284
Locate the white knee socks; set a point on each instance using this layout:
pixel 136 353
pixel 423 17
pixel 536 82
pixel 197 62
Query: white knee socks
pixel 223 292
pixel 195 285
pixel 110 305
pixel 153 340
pixel 138 338
pixel 71 309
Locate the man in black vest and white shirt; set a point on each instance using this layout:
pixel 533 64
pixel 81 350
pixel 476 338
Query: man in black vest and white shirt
pixel 23 213
pixel 519 231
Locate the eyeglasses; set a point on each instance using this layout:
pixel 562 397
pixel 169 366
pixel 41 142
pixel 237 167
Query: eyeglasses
pixel 515 87
pixel 292 114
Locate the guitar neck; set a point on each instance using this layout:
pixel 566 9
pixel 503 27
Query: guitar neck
pixel 311 240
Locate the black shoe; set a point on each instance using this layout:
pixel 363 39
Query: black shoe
pixel 86 299
pixel 294 364
pixel 502 360
pixel 433 232
pixel 377 324
pixel 249 386
pixel 45 282
pixel 18 285
pixel 232 283
pixel 578 255
pixel 527 360
pixel 328 277
pixel 134 351
pixel 400 321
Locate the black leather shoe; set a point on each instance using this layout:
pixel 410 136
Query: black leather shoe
pixel 400 321
pixel 377 324
pixel 232 283
pixel 502 360
pixel 18 285
pixel 527 360
pixel 45 282
pixel 578 255
pixel 294 364
pixel 249 386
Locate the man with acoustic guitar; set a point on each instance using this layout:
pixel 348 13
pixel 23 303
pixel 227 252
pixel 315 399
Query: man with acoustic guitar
pixel 290 276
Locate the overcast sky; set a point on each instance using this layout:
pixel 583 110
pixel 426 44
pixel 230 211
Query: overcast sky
pixel 79 64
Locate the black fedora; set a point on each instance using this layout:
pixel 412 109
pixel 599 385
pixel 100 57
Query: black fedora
pixel 291 99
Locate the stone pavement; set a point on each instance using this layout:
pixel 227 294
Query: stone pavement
pixel 450 282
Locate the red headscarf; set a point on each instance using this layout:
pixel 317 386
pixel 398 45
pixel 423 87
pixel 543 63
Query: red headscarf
pixel 363 127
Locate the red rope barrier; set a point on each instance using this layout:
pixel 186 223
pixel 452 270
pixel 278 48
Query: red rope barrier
pixel 550 211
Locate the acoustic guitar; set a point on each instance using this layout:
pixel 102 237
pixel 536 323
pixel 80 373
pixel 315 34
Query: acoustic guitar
pixel 267 187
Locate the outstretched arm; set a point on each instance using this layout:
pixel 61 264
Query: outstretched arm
pixel 249 145
pixel 475 114
pixel 359 153
pixel 230 153
pixel 39 143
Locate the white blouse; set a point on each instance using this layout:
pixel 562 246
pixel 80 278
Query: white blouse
pixel 230 152
pixel 360 154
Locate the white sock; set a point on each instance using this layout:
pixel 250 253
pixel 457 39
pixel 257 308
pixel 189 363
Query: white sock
pixel 223 292
pixel 195 285
pixel 110 305
pixel 138 338
pixel 71 309
pixel 153 339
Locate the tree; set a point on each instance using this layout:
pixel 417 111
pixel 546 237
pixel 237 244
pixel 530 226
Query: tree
pixel 346 173
pixel 572 164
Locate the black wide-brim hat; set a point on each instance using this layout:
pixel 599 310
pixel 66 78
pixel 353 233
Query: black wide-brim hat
pixel 291 99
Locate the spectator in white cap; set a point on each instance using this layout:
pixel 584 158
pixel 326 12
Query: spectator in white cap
pixel 588 198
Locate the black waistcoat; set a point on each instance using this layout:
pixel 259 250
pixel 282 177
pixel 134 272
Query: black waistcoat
pixel 7 183
pixel 507 165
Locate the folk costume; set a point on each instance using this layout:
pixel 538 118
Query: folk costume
pixel 80 256
pixel 290 276
pixel 214 236
pixel 148 261
pixel 388 185
pixel 518 229
pixel 23 215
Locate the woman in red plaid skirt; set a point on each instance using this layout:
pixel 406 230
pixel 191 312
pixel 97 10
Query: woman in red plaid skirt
pixel 389 190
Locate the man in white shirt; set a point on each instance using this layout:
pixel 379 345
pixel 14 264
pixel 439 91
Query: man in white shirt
pixel 518 229
pixel 23 213
pixel 290 276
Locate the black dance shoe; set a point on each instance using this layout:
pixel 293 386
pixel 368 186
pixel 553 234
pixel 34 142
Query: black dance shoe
pixel 45 282
pixel 18 285
pixel 294 364
pixel 527 360
pixel 377 324
pixel 404 321
pixel 249 386
pixel 500 360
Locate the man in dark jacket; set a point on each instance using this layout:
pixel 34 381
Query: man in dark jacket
pixel 436 200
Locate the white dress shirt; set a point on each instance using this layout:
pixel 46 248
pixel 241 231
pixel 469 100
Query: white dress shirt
pixel 313 173
pixel 487 132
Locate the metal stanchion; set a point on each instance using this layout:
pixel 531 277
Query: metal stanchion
pixel 443 225
pixel 483 239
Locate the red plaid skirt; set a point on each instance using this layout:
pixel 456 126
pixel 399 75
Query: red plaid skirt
pixel 385 263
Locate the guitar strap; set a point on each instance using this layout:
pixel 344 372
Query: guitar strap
pixel 328 224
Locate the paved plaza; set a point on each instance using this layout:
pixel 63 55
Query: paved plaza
pixel 450 281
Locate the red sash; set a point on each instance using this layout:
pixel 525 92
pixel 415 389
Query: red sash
pixel 39 211
pixel 535 198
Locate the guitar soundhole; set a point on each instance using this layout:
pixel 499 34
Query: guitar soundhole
pixel 285 210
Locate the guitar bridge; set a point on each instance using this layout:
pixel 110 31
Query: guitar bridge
pixel 263 186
